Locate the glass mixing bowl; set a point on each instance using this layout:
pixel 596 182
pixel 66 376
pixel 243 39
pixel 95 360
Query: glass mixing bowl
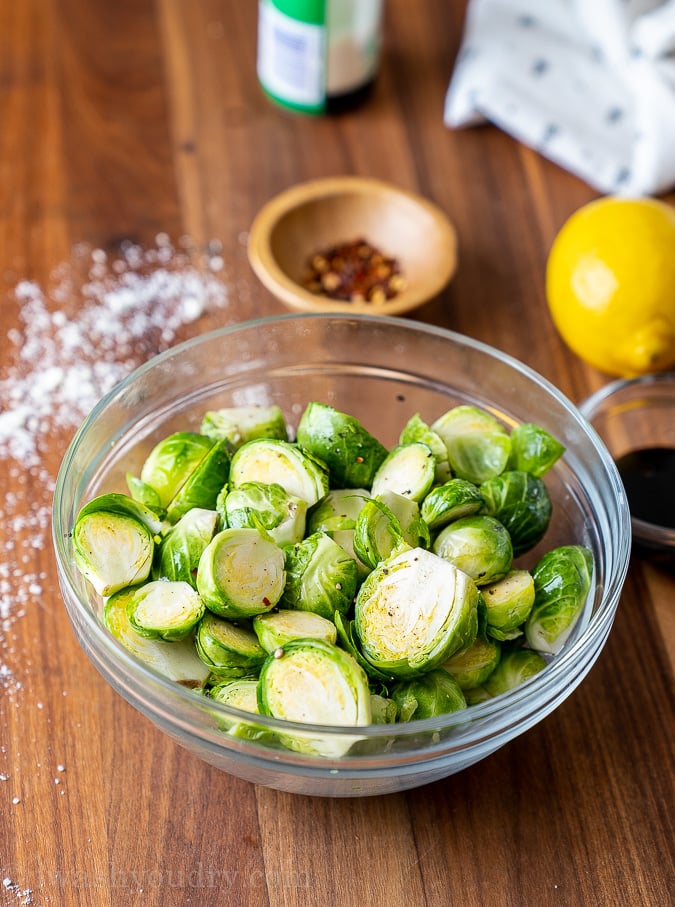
pixel 381 370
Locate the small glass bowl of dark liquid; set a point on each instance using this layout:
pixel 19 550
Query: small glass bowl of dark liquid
pixel 635 417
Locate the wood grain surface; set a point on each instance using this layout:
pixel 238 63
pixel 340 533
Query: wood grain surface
pixel 128 120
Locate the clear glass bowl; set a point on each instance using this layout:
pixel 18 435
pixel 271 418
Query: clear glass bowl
pixel 636 415
pixel 382 370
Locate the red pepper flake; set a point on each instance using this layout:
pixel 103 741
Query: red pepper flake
pixel 354 272
pixel 266 602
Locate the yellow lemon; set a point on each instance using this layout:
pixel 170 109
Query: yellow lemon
pixel 610 285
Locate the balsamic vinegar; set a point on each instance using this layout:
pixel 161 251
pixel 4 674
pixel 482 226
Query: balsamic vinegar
pixel 648 476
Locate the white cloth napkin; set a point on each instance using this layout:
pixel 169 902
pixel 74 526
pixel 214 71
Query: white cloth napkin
pixel 590 84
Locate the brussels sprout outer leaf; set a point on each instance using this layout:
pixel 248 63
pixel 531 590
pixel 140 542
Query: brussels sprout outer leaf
pixel 377 533
pixel 434 693
pixel 203 485
pixel 416 429
pixel 562 581
pixel 337 511
pixel 414 611
pixel 172 460
pixel 522 504
pixel 182 547
pixel 479 545
pixel 112 550
pixel 346 633
pixel 533 449
pixel 351 453
pixel 144 494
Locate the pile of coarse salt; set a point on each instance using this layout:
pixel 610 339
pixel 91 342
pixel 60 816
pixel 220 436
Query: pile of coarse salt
pixel 98 319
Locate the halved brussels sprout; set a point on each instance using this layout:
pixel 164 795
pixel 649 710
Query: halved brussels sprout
pixel 271 461
pixel 347 639
pixel 408 470
pixel 351 453
pixel 229 650
pixel 431 694
pixel 112 550
pixel 479 545
pixel 385 524
pixel 241 573
pixel 238 424
pixel 450 501
pixel 478 445
pixel 313 682
pixel 472 666
pixel 515 667
pixel 508 604
pixel 113 502
pixel 203 485
pixel 416 429
pixel 143 493
pixel 178 661
pixel 522 504
pixel 270 508
pixel 182 547
pixel 337 511
pixel 277 628
pixel 414 611
pixel 562 581
pixel 172 460
pixel 320 576
pixel 384 710
pixel 533 449
pixel 163 609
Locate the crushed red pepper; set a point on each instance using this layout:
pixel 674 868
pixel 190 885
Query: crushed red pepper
pixel 354 272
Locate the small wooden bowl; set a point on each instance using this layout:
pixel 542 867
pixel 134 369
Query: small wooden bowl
pixel 314 216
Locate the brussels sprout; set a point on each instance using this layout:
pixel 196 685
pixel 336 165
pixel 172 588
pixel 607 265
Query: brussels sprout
pixel 181 548
pixel 413 528
pixel 414 611
pixel 478 445
pixel 337 511
pixel 385 524
pixel 479 545
pixel 240 573
pixel 163 609
pixel 144 494
pixel 508 604
pixel 533 449
pixel 476 695
pixel 203 485
pixel 454 499
pixel 277 628
pixel 320 576
pixel 269 508
pixel 313 682
pixel 434 693
pixel 416 429
pixel 521 503
pixel 351 453
pixel 229 650
pixel 238 424
pixel 562 581
pixel 515 667
pixel 270 462
pixel 178 661
pixel 242 695
pixel 112 550
pixel 383 710
pixel 472 666
pixel 346 638
pixel 172 460
pixel 123 504
pixel 408 470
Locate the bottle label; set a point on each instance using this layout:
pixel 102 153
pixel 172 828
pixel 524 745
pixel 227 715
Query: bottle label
pixel 292 59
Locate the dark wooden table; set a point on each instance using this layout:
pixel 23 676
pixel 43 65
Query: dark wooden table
pixel 138 119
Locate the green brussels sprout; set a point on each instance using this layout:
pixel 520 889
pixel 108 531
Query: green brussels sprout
pixel 383 709
pixel 320 576
pixel 522 504
pixel 450 501
pixel 274 462
pixel 238 424
pixel 269 508
pixel 176 660
pixel 172 460
pixel 242 695
pixel 508 603
pixel 113 502
pixel 346 634
pixel 311 681
pixel 351 453
pixel 144 494
pixel 562 581
pixel 413 612
pixel 112 550
pixel 514 668
pixel 533 449
pixel 164 609
pixel 408 470
pixel 479 545
pixel 277 628
pixel 228 649
pixel 337 511
pixel 241 573
pixel 472 666
pixel 431 694
pixel 203 485
pixel 476 695
pixel 478 445
pixel 181 548
pixel 416 429
pixel 385 524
